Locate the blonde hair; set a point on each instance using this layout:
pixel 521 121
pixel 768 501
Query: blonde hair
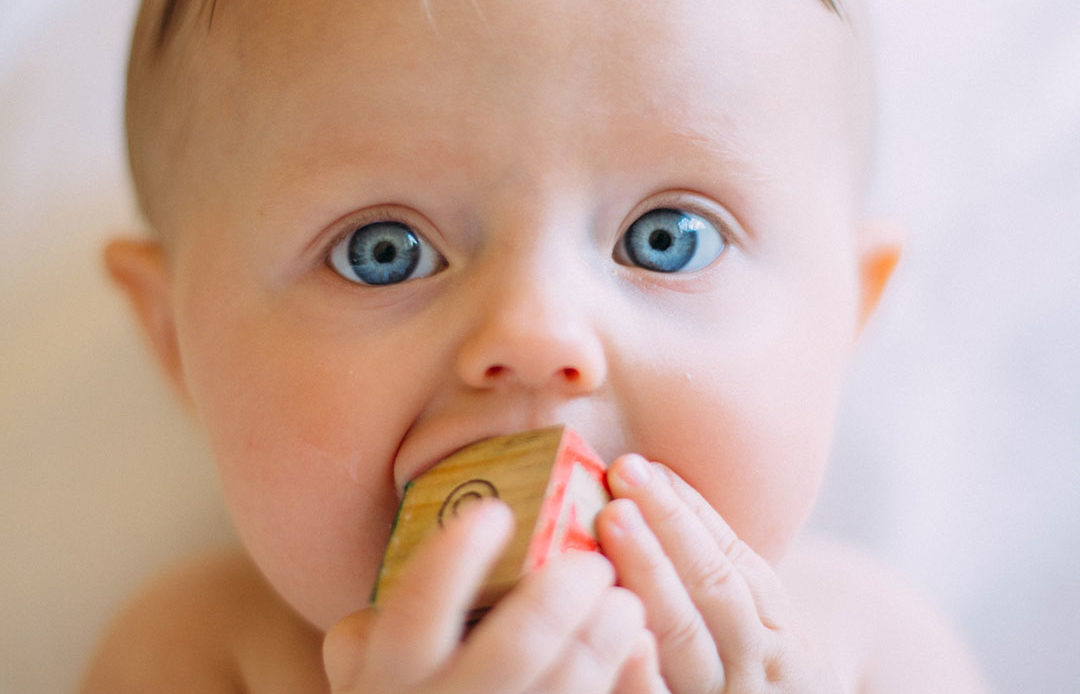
pixel 163 91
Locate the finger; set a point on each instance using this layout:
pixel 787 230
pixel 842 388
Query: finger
pixel 420 622
pixel 523 636
pixel 688 653
pixel 712 580
pixel 592 660
pixel 344 647
pixel 769 596
pixel 641 673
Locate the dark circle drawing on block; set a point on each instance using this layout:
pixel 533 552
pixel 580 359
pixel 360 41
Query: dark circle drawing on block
pixel 465 494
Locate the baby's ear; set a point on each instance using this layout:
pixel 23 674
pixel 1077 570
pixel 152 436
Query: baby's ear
pixel 880 243
pixel 140 269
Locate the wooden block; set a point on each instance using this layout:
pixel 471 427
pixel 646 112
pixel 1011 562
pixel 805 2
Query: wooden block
pixel 550 478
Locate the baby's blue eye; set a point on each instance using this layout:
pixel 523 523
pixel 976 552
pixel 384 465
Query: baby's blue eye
pixel 384 253
pixel 671 240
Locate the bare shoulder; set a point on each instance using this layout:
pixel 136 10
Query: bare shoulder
pixel 883 633
pixel 208 626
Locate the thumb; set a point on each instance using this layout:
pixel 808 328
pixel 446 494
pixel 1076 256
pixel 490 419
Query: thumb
pixel 344 650
pixel 641 672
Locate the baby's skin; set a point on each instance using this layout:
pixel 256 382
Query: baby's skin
pixel 386 229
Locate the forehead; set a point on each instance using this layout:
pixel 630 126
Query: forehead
pixel 503 37
pixel 171 12
pixel 470 82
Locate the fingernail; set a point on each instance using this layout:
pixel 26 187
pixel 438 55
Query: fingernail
pixel 493 519
pixel 484 513
pixel 495 514
pixel 634 471
pixel 626 516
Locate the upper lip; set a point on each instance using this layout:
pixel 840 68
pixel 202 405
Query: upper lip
pixel 428 442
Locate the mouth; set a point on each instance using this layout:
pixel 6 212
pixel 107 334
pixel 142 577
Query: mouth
pixel 416 459
pixel 424 447
pixel 438 433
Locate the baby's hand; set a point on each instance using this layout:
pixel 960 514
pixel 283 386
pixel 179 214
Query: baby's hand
pixel 720 616
pixel 564 628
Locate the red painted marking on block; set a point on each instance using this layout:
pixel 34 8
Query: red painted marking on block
pixel 578 536
pixel 572 451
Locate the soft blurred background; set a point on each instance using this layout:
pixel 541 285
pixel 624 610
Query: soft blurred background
pixel 956 461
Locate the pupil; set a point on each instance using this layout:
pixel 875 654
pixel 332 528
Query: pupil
pixel 385 252
pixel 660 240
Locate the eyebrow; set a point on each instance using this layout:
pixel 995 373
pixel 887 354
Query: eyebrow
pixel 173 11
pixel 834 7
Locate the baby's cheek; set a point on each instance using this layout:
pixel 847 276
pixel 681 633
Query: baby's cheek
pixel 290 443
pixel 759 478
pixel 315 533
pixel 752 440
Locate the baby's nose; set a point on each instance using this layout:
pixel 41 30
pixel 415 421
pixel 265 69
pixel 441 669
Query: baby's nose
pixel 531 339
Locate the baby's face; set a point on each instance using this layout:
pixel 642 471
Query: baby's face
pixel 633 218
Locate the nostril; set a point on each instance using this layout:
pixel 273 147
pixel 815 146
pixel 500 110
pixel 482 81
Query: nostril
pixel 497 372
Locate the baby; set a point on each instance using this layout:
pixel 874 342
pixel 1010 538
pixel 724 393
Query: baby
pixel 387 229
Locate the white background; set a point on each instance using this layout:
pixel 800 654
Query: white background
pixel 956 459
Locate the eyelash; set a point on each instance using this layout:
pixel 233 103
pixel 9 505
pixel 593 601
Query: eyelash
pixel 390 238
pixel 361 219
pixel 695 203
pixel 685 202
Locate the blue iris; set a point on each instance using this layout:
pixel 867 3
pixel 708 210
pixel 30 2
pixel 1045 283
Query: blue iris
pixel 670 240
pixel 383 253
